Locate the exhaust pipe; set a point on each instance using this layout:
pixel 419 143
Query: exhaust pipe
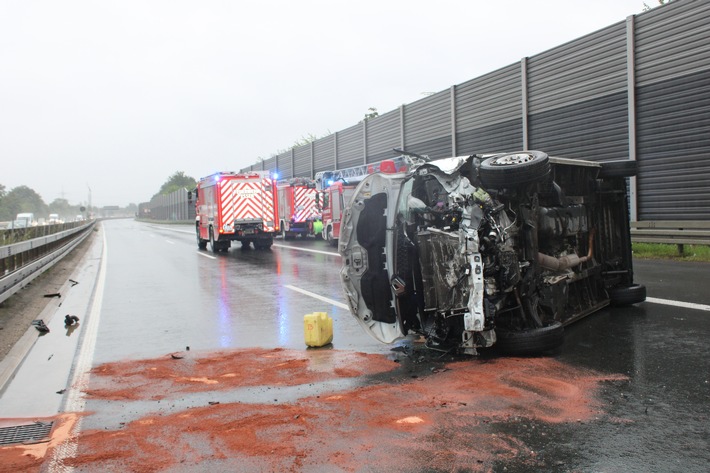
pixel 566 262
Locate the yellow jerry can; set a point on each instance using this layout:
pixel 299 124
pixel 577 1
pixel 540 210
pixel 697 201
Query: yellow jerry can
pixel 317 329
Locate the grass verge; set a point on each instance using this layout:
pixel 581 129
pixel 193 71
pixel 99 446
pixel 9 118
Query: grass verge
pixel 674 252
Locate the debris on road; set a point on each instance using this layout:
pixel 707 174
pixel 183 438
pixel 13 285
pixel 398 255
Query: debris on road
pixel 70 320
pixel 40 326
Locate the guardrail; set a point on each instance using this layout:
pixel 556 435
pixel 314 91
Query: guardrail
pixel 23 261
pixel 675 232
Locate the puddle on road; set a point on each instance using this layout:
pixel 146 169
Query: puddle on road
pixel 442 419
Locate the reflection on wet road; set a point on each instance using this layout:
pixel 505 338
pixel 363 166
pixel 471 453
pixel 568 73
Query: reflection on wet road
pixel 162 297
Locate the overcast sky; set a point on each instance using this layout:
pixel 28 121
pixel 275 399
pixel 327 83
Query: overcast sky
pixel 116 96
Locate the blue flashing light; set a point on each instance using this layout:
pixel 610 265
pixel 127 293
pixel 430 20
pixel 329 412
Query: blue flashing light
pixel 330 182
pixel 276 175
pixel 216 178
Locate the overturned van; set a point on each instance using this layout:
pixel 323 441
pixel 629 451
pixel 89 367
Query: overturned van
pixel 480 251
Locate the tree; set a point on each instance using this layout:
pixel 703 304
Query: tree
pixel 660 2
pixel 305 140
pixel 371 113
pixel 22 199
pixel 63 208
pixel 178 181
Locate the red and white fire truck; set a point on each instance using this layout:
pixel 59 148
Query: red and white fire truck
pixel 236 206
pixel 297 208
pixel 335 188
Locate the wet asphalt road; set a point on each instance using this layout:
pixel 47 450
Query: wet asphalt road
pixel 162 295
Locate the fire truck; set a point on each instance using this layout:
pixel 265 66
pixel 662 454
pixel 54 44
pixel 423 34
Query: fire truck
pixel 335 188
pixel 236 206
pixel 297 208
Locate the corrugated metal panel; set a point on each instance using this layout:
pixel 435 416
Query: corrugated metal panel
pixel 673 119
pixel 270 164
pixel 436 148
pixel 302 161
pixel 427 119
pixel 589 67
pixel 596 129
pixel 285 167
pixel 350 152
pixel 382 136
pixel 325 153
pixel 490 99
pixel 672 40
pixel 499 137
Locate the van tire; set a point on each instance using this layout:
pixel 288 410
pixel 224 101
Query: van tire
pixel 532 341
pixel 511 169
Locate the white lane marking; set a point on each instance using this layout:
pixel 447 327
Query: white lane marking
pixel 76 401
pixel 174 229
pixel 685 305
pixel 171 242
pixel 329 253
pixel 206 256
pixel 316 296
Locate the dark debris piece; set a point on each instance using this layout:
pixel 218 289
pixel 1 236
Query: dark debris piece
pixel 54 294
pixel 70 319
pixel 40 326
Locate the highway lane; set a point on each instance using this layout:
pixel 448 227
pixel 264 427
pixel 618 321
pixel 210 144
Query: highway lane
pixel 162 294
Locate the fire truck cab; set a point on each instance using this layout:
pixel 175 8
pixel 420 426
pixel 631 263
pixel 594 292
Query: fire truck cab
pixel 236 206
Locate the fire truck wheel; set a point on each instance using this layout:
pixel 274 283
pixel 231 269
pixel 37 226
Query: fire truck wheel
pixel 329 237
pixel 201 244
pixel 263 244
pixel 214 246
pixel 245 244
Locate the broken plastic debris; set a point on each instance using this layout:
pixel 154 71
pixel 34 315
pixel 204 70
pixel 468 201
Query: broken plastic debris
pixel 54 294
pixel 39 325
